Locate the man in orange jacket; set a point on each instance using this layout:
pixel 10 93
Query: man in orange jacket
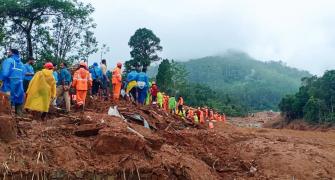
pixel 117 81
pixel 166 103
pixel 82 81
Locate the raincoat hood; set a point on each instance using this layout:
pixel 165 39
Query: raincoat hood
pixel 16 57
pixel 47 72
pixel 82 73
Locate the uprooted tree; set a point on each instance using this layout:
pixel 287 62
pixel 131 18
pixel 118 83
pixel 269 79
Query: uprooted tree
pixel 47 29
pixel 145 45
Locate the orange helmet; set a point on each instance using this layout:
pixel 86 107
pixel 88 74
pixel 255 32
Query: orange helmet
pixel 48 65
pixel 119 64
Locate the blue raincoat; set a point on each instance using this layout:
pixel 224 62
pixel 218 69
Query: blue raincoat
pixel 96 72
pixel 142 86
pixel 13 73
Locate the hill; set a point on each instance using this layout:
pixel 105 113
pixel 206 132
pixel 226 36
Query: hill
pixel 255 84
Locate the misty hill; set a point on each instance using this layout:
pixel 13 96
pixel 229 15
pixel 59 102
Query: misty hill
pixel 257 85
pixel 254 84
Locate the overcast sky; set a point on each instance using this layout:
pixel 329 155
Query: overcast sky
pixel 298 32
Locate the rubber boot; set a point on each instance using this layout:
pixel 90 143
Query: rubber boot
pixel 19 110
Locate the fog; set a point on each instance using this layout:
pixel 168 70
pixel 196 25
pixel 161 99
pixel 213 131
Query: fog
pixel 300 33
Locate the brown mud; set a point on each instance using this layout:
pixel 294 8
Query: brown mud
pixel 94 145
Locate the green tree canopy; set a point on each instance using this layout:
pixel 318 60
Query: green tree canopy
pixel 47 28
pixel 314 102
pixel 145 45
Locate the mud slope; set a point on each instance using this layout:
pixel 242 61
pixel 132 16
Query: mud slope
pixel 94 145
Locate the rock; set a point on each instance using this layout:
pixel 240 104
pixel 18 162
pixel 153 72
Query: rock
pixel 253 169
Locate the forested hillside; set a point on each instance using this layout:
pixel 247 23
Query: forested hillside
pixel 254 84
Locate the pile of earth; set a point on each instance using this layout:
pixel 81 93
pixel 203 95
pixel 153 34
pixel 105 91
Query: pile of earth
pixel 144 142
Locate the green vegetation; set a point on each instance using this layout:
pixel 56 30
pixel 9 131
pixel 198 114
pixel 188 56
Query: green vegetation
pixel 314 102
pixel 144 44
pixel 58 30
pixel 172 79
pixel 237 80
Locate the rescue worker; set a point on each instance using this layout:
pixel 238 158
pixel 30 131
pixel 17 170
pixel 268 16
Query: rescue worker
pixel 105 80
pixel 195 119
pixel 12 74
pixel 148 96
pixel 190 114
pixel 142 85
pixel 172 104
pixel 97 76
pixel 201 117
pixel 55 75
pixel 206 113
pixel 64 84
pixel 211 114
pixel 82 81
pixel 153 91
pixel 180 104
pixel 29 73
pixel 41 91
pixel 160 99
pixel 166 103
pixel 131 90
pixel 117 81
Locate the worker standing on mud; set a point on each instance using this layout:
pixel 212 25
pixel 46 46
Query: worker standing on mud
pixel 41 90
pixel 172 104
pixel 12 74
pixel 105 80
pixel 160 97
pixel 166 103
pixel 64 84
pixel 142 85
pixel 131 90
pixel 96 74
pixel 180 105
pixel 117 81
pixel 29 73
pixel 153 91
pixel 82 81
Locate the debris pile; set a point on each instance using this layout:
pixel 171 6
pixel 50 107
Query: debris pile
pixel 123 141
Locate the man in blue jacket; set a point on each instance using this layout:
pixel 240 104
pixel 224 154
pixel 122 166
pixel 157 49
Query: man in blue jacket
pixel 29 72
pixel 97 76
pixel 142 85
pixel 12 73
pixel 63 86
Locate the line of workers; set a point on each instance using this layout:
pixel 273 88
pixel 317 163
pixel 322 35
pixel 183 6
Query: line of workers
pixel 36 91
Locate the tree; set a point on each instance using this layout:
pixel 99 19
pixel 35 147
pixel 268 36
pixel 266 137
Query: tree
pixel 47 28
pixel 164 75
pixel 104 50
pixel 179 76
pixel 144 44
pixel 88 45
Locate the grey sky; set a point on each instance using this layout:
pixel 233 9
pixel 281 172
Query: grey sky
pixel 298 32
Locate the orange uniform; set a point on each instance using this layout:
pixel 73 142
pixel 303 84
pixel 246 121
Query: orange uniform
pixel 201 117
pixel 211 115
pixel 180 101
pixel 190 114
pixel 166 103
pixel 82 81
pixel 206 113
pixel 117 82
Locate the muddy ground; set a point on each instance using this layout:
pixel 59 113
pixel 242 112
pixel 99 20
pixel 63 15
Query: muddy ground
pixel 94 145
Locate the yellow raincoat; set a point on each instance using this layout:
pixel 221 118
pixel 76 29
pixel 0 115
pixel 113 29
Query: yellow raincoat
pixel 40 91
